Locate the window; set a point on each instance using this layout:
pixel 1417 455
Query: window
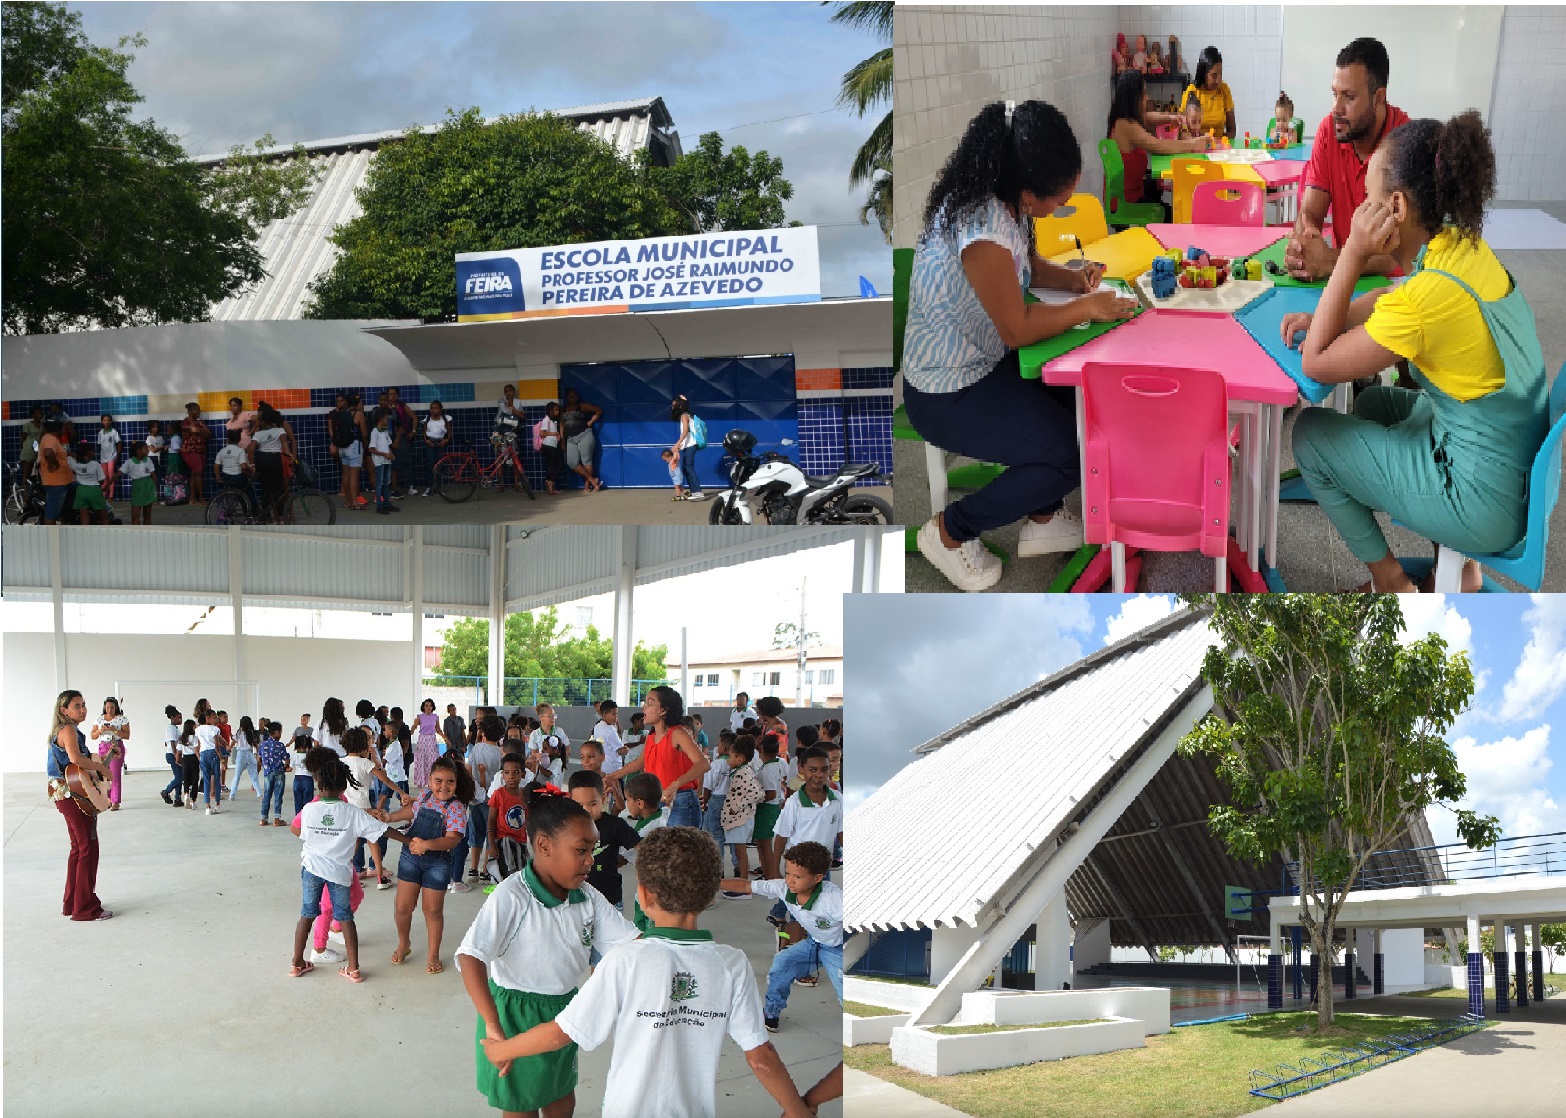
pixel 810 677
pixel 712 679
pixel 758 678
pixel 828 675
pixel 774 678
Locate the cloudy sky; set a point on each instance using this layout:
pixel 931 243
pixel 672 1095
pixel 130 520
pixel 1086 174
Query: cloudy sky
pixel 763 75
pixel 919 664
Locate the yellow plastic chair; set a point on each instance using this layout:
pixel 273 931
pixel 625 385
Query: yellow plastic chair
pixel 1187 173
pixel 1082 217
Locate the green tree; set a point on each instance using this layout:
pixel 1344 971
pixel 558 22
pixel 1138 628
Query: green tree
pixel 1329 735
pixel 106 221
pixel 786 634
pixel 734 190
pixel 866 86
pixel 470 186
pixel 539 646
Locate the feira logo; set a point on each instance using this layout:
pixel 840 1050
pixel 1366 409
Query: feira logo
pixel 482 283
pixel 489 285
pixel 683 988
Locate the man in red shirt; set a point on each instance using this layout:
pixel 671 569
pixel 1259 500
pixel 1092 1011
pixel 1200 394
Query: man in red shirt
pixel 1334 179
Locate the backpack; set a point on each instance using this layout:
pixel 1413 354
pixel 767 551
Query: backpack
pixel 538 435
pixel 174 491
pixel 698 432
pixel 343 432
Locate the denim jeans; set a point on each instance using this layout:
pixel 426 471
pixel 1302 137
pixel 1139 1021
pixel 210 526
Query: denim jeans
pixel 244 760
pixel 432 454
pixel 796 962
pixel 272 795
pixel 686 809
pixel 688 465
pixel 382 484
pixel 211 773
pixel 712 819
pixel 304 791
pixel 342 909
pixel 179 774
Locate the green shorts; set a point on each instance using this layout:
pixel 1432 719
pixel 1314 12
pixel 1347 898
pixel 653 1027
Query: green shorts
pixel 89 498
pixel 535 1081
pixel 766 819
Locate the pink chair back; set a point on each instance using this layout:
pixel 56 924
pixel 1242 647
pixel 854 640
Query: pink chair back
pixel 1167 132
pixel 1228 202
pixel 1156 458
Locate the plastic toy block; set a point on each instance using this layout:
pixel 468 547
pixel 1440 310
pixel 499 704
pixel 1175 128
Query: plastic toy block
pixel 1299 338
pixel 1186 280
pixel 1204 261
pixel 1192 253
pixel 1253 269
pixel 1163 266
pixel 1164 285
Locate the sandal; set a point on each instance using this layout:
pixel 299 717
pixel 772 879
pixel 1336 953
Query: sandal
pixel 278 823
pixel 265 823
pixel 398 962
pixel 351 974
pixel 434 968
pixel 296 972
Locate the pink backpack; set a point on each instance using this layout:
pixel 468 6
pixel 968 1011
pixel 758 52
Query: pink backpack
pixel 538 435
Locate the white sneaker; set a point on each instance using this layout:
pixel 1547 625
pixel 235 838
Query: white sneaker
pixel 209 811
pixel 969 567
pixel 336 937
pixel 327 956
pixel 696 496
pixel 1063 532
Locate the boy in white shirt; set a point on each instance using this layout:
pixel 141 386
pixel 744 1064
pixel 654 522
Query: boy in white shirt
pixel 230 465
pixel 381 457
pixel 657 993
pixel 607 731
pixel 814 813
pixel 549 766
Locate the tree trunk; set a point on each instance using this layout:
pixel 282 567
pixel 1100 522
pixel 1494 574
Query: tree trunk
pixel 1321 942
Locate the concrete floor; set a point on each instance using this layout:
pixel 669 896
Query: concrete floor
pixel 1312 556
pixel 181 1003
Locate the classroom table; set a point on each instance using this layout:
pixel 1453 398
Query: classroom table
pixel 1031 358
pixel 1259 391
pixel 1218 240
pixel 1162 167
pixel 1275 252
pixel 1125 255
pixel 1283 178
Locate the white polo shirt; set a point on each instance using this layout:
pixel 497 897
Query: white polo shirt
pixel 610 736
pixel 668 1000
pixel 531 940
pixel 804 821
pixel 171 734
pixel 820 914
pixel 208 737
pixel 329 829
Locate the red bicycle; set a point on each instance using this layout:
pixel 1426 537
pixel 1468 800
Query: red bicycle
pixel 460 474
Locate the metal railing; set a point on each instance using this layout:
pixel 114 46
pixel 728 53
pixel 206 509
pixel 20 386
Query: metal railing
pixel 1337 1064
pixel 1522 856
pixel 532 690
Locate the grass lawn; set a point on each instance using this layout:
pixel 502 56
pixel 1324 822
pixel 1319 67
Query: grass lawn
pixel 961 1030
pixel 1198 1072
pixel 1456 992
pixel 863 1009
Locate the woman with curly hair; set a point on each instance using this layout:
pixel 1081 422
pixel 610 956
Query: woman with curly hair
pixel 1452 461
pixel 966 319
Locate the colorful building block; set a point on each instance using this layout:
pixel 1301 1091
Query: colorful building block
pixel 1192 252
pixel 1253 269
pixel 1163 266
pixel 1164 284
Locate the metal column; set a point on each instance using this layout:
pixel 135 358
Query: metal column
pixel 495 681
pixel 624 593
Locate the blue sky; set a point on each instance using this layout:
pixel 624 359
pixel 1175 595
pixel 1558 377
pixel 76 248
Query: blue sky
pixel 918 664
pixel 764 75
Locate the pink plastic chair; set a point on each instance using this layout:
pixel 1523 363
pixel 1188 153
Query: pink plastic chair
pixel 1228 202
pixel 1167 132
pixel 1156 463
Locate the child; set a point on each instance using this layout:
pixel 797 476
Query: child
pixel 614 836
pixel 546 746
pixel 714 788
pixel 771 778
pixel 89 484
pixel 676 473
pixel 484 758
pixel 230 465
pixel 814 813
pixel 593 762
pixel 142 471
pixel 1282 121
pixel 549 445
pixel 156 445
pixel 326 928
pixel 529 944
pixel 607 731
pixel 678 976
pixel 381 456
pixel 738 817
pixel 439 822
pixel 1191 126
pixel 644 810
pixel 817 906
pixel 356 747
pixel 304 783
pixel 508 819
pixel 189 761
pixel 274 763
pixel 108 453
pixel 330 827
pixel 171 734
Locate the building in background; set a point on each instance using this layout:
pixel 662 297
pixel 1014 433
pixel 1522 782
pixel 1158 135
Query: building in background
pixel 775 671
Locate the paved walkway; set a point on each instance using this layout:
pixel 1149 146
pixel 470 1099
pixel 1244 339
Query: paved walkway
pixel 865 1096
pixel 181 1003
pixel 1517 1067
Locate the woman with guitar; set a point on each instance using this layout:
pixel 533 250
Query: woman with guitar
pixel 110 732
pixel 74 786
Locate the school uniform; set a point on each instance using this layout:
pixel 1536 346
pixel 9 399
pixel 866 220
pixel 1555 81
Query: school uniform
pixel 536 949
pixel 142 473
pixel 89 486
pixel 770 777
pixel 803 820
pixel 230 463
pixel 820 913
pixel 331 829
pixel 716 784
pixel 171 754
pixel 669 1000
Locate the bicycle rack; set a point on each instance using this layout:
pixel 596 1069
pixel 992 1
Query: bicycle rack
pixel 1334 1065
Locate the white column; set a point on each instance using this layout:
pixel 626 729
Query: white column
pixel 416 597
pixel 1275 930
pixel 236 595
pixel 867 561
pixel 624 593
pixel 1052 946
pixel 495 688
pixel 57 599
pixel 1473 934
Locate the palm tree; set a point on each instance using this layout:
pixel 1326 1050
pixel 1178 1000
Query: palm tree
pixel 865 86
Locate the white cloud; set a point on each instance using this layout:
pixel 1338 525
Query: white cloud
pixel 1138 613
pixel 1540 677
pixel 1507 778
pixel 1424 614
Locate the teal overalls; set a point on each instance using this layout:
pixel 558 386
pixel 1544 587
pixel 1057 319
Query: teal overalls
pixel 1454 472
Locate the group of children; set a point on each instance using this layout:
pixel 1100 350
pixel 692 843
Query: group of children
pixel 556 846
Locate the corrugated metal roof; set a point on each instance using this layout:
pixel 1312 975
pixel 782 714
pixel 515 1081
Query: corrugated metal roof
pixel 296 250
pixel 1080 725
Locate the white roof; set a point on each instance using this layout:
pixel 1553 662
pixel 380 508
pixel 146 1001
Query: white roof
pixel 965 825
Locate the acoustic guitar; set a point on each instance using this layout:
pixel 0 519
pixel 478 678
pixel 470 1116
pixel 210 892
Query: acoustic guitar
pixel 87 790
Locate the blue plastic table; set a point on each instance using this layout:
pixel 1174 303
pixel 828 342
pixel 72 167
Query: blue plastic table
pixel 1263 320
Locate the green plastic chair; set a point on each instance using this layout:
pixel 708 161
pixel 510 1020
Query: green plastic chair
pixel 1117 210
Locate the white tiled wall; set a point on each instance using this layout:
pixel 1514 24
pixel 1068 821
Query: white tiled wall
pixel 950 62
pixel 1528 109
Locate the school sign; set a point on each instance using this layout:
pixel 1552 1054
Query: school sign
pixel 728 269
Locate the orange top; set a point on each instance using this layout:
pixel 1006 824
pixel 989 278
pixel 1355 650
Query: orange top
pixel 60 474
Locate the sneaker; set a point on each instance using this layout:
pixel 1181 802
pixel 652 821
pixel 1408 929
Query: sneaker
pixel 1062 533
pixel 179 803
pixel 427 490
pixel 695 496
pixel 969 567
pixel 459 887
pixel 336 937
pixel 383 883
pixel 806 980
pixel 327 956
pixel 771 1023
pixel 733 896
pixel 384 510
pixel 837 863
pixel 166 798
pixel 209 811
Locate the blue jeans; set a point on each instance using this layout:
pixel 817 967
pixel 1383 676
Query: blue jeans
pixel 342 911
pixel 244 761
pixel 54 500
pixel 304 791
pixel 712 820
pixel 211 773
pixel 432 454
pixel 686 809
pixel 272 795
pixel 1028 428
pixel 179 775
pixel 382 485
pixel 796 962
pixel 688 466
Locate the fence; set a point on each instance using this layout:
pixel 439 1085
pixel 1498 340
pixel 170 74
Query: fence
pixel 1521 856
pixel 532 690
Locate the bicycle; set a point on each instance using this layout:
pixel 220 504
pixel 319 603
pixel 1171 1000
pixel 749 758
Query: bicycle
pixel 302 504
pixel 23 500
pixel 459 474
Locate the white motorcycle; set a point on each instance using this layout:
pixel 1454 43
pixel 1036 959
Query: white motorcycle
pixel 770 489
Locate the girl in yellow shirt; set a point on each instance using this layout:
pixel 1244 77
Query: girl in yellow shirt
pixel 1208 88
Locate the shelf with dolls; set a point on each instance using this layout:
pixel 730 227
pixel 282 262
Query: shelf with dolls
pixel 1157 65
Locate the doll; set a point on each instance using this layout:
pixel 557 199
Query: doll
pixel 1139 56
pixel 1155 59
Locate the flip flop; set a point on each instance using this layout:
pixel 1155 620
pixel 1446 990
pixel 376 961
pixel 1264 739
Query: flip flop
pixel 298 972
pixel 434 968
pixel 352 975
pixel 398 962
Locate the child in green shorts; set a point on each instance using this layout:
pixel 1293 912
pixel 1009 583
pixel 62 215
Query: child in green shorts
pixel 771 776
pixel 142 472
pixel 89 484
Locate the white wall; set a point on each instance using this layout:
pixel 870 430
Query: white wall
pixel 951 62
pixel 1250 38
pixel 947 947
pixel 295 676
pixel 1092 948
pixel 1052 947
pixel 1404 965
pixel 1528 106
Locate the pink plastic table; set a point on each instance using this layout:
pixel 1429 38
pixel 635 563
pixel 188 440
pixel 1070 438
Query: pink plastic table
pixel 1259 391
pixel 1219 240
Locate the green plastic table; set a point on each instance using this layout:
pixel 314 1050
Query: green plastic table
pixel 1275 254
pixel 1031 358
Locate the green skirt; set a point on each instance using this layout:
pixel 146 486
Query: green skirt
pixel 144 491
pixel 89 498
pixel 535 1081
pixel 766 819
